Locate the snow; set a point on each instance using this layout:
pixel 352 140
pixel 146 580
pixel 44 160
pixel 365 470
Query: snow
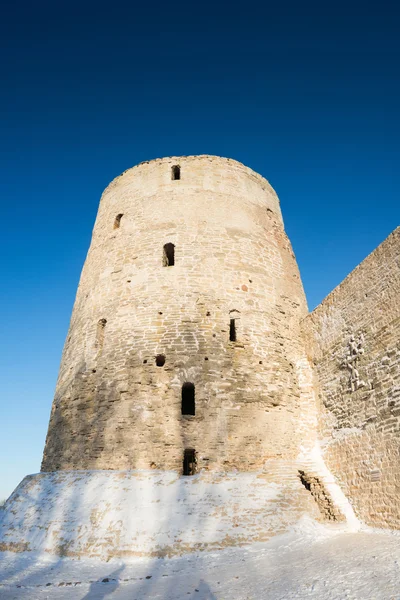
pixel 310 561
pixel 316 463
pixel 120 513
pixel 241 536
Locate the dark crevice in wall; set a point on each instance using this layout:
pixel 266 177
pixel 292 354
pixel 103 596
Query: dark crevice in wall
pixel 321 496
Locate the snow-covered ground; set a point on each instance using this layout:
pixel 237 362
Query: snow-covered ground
pixel 107 514
pixel 310 561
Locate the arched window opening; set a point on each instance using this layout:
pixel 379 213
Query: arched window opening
pixel 232 330
pixel 175 172
pixel 117 221
pixel 160 360
pixel 188 399
pixel 189 461
pixel 169 255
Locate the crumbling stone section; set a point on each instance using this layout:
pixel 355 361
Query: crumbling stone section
pixel 324 500
pixel 354 342
pixel 192 265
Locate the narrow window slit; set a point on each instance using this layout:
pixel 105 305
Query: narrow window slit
pixel 169 255
pixel 189 462
pixel 117 221
pixel 188 399
pixel 160 360
pixel 232 330
pixel 175 172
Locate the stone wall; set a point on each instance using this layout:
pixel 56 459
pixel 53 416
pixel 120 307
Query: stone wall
pixel 117 406
pixel 354 342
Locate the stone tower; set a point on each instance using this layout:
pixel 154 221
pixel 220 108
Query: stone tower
pixel 184 350
pixel 185 415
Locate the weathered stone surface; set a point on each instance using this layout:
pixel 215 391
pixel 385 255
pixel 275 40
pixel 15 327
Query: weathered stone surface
pixel 359 322
pixel 114 408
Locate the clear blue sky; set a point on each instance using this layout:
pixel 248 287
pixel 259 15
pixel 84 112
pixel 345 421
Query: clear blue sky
pixel 307 94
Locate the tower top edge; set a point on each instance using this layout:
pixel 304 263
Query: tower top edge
pixel 193 157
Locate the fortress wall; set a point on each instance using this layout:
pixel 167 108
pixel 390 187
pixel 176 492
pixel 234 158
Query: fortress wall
pixel 360 397
pixel 114 408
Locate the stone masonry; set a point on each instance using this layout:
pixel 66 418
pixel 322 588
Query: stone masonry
pixel 354 341
pixel 199 405
pixel 224 318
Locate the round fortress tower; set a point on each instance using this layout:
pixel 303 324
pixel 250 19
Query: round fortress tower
pixel 184 350
pixel 184 357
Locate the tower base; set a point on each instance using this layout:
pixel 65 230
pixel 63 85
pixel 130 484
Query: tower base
pixel 152 513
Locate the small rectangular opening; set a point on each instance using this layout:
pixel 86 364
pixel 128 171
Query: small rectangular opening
pixel 189 462
pixel 188 399
pixel 169 255
pixel 175 172
pixel 232 331
pixel 117 221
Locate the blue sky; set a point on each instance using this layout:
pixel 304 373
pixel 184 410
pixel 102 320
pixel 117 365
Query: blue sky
pixel 307 95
